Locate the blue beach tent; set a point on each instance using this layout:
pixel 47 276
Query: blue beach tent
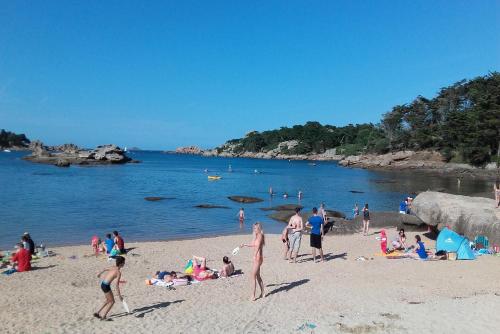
pixel 450 241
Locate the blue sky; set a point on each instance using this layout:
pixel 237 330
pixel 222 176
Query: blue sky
pixel 158 75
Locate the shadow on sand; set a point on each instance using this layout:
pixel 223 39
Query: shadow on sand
pixel 283 287
pixel 41 268
pixel 140 312
pixel 328 257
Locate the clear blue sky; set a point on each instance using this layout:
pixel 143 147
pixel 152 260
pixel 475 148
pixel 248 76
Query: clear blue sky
pixel 165 74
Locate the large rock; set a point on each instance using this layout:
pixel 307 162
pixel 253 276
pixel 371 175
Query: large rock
pixel 189 150
pixel 67 154
pixel 245 199
pixel 37 148
pixel 470 216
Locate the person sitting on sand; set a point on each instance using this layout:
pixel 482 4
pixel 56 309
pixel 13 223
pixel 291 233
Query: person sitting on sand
pixel 29 242
pixel 21 260
pixel 227 267
pixel 95 242
pixel 286 242
pixel 400 242
pixel 200 270
pixel 109 244
pixel 112 274
pixel 420 248
pixel 120 244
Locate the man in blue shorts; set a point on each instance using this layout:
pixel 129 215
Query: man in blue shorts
pixel 316 224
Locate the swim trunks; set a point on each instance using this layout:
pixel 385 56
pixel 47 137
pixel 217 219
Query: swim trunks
pixel 105 287
pixel 315 240
pixel 295 239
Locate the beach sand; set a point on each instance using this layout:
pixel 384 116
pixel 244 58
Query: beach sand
pixel 341 295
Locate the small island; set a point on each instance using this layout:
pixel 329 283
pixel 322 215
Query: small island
pixel 68 154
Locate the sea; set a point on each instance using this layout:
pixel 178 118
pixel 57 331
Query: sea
pixel 61 206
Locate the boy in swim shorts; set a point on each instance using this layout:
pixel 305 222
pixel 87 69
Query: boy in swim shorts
pixel 112 274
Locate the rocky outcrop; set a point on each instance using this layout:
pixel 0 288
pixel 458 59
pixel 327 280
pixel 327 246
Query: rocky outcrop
pixel 245 199
pixel 401 160
pixel 189 150
pixel 68 154
pixel 282 152
pixel 470 216
pixel 210 206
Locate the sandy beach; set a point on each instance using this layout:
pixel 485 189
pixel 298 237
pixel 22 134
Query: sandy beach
pixel 341 295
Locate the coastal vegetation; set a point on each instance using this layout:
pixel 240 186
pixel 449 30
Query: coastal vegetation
pixel 10 139
pixel 462 122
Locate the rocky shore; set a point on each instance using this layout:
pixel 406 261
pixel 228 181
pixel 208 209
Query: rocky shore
pixel 281 152
pixel 429 161
pixel 68 154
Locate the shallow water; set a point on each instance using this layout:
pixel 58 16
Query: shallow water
pixel 70 205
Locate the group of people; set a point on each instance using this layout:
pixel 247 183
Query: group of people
pixel 21 259
pixel 112 245
pixel 292 234
pixel 300 194
pixel 399 243
pixel 200 272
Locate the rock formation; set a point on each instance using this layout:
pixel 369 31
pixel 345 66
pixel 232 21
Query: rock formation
pixel 470 216
pixel 245 199
pixel 67 154
pixel 189 150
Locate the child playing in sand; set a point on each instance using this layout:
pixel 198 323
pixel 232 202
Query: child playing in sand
pixel 112 274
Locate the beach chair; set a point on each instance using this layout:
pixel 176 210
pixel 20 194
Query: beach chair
pixel 481 240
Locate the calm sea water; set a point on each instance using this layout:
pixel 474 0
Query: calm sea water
pixel 68 205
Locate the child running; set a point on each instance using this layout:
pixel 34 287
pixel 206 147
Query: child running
pixel 112 274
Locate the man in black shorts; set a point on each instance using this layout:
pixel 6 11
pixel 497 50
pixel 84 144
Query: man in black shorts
pixel 316 223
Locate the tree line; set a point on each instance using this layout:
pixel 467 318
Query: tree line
pixel 462 122
pixel 10 139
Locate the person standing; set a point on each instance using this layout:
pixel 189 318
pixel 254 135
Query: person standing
pixel 295 227
pixel 241 216
pixel 355 210
pixel 366 219
pixel 258 258
pixel 316 223
pixel 112 274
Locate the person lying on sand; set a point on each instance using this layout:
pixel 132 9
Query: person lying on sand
pixel 200 270
pixel 166 276
pixel 227 267
pixel 112 274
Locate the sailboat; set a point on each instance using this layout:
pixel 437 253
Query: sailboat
pixel 125 149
